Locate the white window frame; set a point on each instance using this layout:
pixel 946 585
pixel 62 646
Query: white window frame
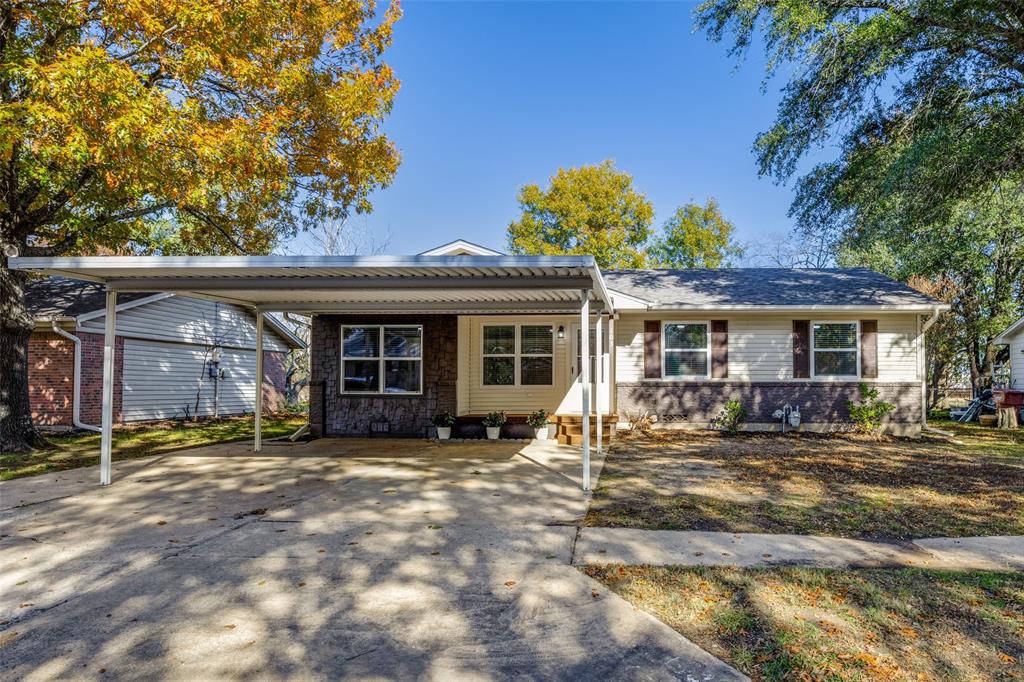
pixel 517 355
pixel 814 363
pixel 707 351
pixel 381 358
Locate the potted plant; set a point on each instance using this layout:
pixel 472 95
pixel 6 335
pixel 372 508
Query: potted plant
pixel 539 421
pixel 493 423
pixel 444 421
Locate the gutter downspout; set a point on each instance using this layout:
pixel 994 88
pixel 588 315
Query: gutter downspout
pixel 76 398
pixel 923 366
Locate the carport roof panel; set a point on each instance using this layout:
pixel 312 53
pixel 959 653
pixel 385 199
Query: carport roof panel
pixel 268 280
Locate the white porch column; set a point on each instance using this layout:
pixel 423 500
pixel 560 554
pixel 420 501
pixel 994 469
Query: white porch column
pixel 585 382
pixel 598 379
pixel 613 397
pixel 258 414
pixel 107 415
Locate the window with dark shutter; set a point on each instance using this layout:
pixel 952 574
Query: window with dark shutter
pixel 801 349
pixel 652 349
pixel 869 349
pixel 719 349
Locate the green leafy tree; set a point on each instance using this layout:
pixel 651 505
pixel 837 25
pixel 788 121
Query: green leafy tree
pixel 927 96
pixel 590 210
pixel 695 237
pixel 179 125
pixel 973 258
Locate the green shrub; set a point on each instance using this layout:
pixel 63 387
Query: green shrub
pixel 730 418
pixel 443 419
pixel 867 414
pixel 538 419
pixel 494 419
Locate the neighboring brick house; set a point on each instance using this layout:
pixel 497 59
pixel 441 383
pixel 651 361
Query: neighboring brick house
pixel 163 356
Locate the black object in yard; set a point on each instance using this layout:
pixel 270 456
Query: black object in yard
pixel 983 404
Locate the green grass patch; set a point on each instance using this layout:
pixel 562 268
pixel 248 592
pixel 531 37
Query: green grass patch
pixel 142 440
pixel 823 624
pixel 844 485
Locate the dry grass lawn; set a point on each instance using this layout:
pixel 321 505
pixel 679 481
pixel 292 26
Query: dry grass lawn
pixel 846 485
pixel 141 440
pixel 817 624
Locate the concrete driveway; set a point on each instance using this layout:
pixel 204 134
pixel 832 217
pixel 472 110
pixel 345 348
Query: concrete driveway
pixel 333 559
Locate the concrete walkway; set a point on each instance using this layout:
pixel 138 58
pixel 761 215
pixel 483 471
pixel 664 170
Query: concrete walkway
pixel 330 560
pixel 697 548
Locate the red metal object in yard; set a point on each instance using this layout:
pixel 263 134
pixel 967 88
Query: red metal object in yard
pixel 1008 398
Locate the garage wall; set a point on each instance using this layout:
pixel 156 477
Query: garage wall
pixel 162 380
pixel 190 320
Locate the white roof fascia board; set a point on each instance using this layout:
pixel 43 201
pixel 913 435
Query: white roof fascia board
pixel 74 265
pixel 84 317
pixel 461 245
pixel 1011 331
pixel 755 307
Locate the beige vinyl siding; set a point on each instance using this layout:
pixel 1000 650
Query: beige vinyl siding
pixel 1017 361
pixel 190 320
pixel 162 379
pixel 761 345
pixel 513 399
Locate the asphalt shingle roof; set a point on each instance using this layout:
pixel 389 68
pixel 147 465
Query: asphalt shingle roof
pixel 764 286
pixel 56 297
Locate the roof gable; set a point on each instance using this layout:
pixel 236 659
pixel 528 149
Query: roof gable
pixel 461 247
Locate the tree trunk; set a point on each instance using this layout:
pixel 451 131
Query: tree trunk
pixel 17 433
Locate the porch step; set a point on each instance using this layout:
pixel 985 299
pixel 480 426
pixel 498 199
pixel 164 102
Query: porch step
pixel 569 428
pixel 578 418
pixel 577 429
pixel 577 439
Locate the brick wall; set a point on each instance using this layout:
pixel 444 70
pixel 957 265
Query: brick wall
pixel 92 377
pixel 51 365
pixel 820 402
pixel 274 363
pixel 332 414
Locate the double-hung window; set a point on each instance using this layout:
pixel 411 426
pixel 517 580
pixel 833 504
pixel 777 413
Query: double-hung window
pixel 382 359
pixel 834 349
pixel 518 355
pixel 685 352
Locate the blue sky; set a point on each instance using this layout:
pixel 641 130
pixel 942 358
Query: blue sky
pixel 498 94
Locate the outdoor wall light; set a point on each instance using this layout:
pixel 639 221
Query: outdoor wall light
pixel 561 332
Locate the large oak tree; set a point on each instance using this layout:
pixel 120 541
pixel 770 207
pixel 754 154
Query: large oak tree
pixel 236 123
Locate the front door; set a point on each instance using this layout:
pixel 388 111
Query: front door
pixel 599 367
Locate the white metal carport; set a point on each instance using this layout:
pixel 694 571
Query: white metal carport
pixel 346 284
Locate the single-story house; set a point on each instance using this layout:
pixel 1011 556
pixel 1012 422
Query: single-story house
pixel 1013 338
pixel 165 364
pixel 462 328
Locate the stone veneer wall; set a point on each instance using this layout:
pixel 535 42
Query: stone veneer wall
pixel 820 402
pixel 332 414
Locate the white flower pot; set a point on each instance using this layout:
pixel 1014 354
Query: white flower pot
pixel 493 432
pixel 444 432
pixel 541 433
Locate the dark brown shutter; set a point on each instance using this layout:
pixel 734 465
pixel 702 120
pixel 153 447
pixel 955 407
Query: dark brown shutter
pixel 801 349
pixel 719 349
pixel 869 349
pixel 652 349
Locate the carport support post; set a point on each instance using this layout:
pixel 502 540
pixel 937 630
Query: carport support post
pixel 599 366
pixel 258 413
pixel 585 382
pixel 107 416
